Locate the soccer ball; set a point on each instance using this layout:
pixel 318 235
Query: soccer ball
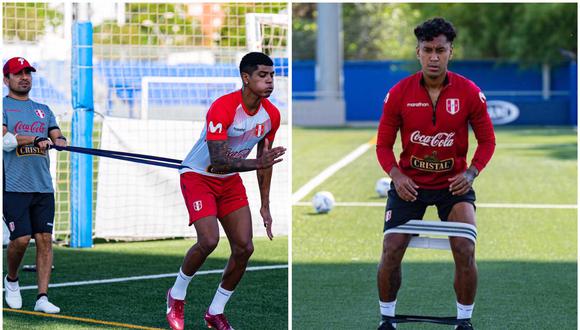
pixel 323 202
pixel 383 186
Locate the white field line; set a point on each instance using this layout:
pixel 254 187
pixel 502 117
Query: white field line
pixel 148 277
pixel 480 205
pixel 329 171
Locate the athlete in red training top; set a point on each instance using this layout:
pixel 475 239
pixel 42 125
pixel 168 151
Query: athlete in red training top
pixel 433 109
pixel 213 189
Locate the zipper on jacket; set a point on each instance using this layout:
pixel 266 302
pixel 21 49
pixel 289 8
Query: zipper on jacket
pixel 435 109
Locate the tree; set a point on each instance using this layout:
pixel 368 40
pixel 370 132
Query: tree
pixel 149 24
pixel 233 31
pixel 375 31
pixel 530 33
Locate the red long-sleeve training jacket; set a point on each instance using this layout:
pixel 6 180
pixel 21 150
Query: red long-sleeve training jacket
pixel 434 138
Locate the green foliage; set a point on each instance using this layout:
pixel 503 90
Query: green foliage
pixel 383 29
pixel 233 31
pixel 530 33
pixel 150 24
pixel 304 31
pixel 28 21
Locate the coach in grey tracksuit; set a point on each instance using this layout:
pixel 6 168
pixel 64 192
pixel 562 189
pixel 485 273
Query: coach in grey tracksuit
pixel 28 195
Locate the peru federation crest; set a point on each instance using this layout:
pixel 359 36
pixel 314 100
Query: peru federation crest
pixel 452 106
pixel 197 205
pixel 259 130
pixel 39 113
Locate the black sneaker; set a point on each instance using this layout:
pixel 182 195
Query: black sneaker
pixel 386 323
pixel 464 324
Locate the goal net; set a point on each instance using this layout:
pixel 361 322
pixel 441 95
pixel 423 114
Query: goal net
pixel 158 67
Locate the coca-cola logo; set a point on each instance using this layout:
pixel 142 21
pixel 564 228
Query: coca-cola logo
pixel 438 140
pixel 36 127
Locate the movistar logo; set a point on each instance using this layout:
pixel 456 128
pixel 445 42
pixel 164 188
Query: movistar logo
pixel 215 128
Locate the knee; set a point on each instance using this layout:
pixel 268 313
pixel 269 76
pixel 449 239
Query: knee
pixel 464 252
pixel 43 241
pixel 243 251
pixel 393 254
pixel 20 242
pixel 208 244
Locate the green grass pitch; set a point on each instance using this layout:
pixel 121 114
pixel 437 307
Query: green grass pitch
pixel 260 301
pixel 527 258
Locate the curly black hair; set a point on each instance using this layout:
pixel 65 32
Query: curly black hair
pixel 434 27
pixel 250 62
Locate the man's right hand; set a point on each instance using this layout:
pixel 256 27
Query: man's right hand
pixel 42 142
pixel 405 187
pixel 269 157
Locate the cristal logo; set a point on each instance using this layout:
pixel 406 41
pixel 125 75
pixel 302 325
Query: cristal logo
pixel 36 127
pixel 438 140
pixel 215 128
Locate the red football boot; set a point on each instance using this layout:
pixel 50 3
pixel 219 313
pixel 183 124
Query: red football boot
pixel 218 322
pixel 174 312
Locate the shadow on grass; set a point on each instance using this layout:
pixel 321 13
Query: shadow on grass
pixel 511 295
pixel 260 301
pixel 561 151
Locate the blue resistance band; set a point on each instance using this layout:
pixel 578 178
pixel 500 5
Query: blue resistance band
pixel 127 156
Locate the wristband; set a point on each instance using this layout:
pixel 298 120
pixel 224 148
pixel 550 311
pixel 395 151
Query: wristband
pixel 39 139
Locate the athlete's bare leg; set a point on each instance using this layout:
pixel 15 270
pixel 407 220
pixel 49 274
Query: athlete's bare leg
pixel 389 274
pixel 43 260
pixel 16 251
pixel 238 228
pixel 208 236
pixel 464 255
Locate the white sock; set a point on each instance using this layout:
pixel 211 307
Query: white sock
pixel 464 311
pixel 219 301
pixel 388 308
pixel 179 289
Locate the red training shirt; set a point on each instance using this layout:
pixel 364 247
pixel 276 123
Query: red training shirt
pixel 434 139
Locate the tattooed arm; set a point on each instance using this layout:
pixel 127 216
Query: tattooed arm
pixel 222 163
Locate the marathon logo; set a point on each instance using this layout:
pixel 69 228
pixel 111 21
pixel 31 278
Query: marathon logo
pixel 417 104
pixel 29 150
pixel 431 164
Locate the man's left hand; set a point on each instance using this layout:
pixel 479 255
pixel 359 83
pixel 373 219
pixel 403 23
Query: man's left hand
pixel 267 217
pixel 461 183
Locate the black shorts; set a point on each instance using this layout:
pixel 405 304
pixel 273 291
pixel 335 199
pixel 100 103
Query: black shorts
pixel 399 211
pixel 28 213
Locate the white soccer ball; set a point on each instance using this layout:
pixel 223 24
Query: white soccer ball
pixel 323 202
pixel 383 186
